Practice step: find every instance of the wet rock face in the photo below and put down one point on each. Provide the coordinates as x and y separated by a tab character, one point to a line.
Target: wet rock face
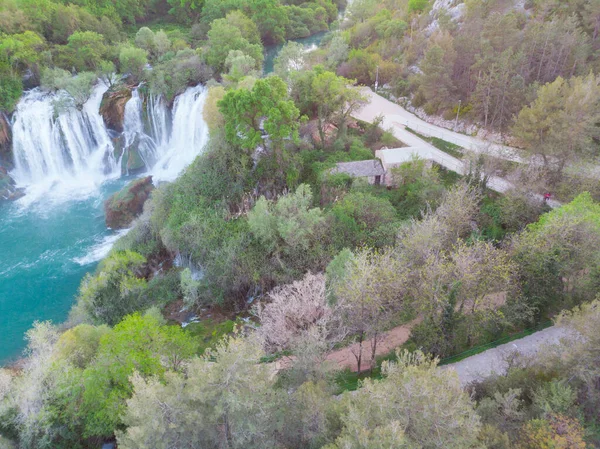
124	206
5	141
132	162
112	108
8	191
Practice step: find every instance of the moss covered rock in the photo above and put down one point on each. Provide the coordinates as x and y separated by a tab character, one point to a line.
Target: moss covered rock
124	206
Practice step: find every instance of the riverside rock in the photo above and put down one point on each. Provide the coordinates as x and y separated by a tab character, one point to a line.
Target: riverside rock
112	108
5	141
124	206
8	191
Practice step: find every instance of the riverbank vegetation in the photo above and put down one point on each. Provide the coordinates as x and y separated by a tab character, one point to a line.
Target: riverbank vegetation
282	260
81	37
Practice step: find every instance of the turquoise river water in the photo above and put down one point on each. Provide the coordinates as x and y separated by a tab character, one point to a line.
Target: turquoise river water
45	250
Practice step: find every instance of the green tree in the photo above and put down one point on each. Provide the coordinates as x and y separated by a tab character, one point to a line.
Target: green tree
239	65
287	225
414	405
133	60
556	255
21	51
139	344
289	59
145	39
114	291
436	85
88	50
336	101
266	106
224	37
226	399
561	124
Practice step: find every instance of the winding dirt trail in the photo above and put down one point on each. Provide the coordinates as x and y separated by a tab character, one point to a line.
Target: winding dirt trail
386	343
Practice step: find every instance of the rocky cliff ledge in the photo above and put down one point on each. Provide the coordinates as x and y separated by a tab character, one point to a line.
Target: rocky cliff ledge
112	108
5	141
124	206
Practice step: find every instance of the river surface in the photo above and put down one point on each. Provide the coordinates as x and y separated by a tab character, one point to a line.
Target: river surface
271	51
67	163
45	250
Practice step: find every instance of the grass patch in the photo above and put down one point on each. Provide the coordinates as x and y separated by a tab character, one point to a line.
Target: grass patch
208	332
440	144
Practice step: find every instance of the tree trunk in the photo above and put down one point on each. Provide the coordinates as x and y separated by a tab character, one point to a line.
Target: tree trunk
373	352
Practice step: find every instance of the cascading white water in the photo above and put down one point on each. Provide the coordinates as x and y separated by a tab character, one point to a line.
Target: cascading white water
188	137
72	149
167	142
73	153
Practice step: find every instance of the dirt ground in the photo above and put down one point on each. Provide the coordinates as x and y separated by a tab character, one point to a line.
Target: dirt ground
345	358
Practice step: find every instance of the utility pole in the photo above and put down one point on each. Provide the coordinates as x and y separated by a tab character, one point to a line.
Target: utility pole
376	78
457	113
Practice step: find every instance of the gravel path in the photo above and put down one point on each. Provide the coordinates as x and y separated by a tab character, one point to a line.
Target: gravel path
491	361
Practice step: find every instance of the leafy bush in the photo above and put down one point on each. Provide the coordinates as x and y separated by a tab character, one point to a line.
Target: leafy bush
115	290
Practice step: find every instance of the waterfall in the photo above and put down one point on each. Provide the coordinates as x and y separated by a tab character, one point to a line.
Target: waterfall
72	148
188	137
73	152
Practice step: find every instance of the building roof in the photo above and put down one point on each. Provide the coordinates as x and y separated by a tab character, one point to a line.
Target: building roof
359	169
397	156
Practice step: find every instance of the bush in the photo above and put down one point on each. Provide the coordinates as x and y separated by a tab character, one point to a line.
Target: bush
133	61
11	88
190	288
115	290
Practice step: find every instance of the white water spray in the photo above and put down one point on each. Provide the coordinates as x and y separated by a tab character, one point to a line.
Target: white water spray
72	150
72	154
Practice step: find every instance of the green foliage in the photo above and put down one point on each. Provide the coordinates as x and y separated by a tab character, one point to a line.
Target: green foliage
173	75
417	5
243	111
224	37
557	252
363	219
189	288
78	88
114	291
133	61
287	225
11	87
208	332
88	50
137	344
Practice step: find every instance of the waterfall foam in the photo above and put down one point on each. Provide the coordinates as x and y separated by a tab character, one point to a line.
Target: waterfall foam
188	137
72	153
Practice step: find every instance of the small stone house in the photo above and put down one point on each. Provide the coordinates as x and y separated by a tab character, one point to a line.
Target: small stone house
372	170
395	157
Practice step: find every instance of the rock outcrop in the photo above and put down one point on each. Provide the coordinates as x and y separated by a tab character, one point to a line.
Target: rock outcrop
5	141
8	191
112	108
124	206
132	162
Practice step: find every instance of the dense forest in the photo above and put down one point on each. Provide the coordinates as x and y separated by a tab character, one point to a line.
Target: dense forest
283	260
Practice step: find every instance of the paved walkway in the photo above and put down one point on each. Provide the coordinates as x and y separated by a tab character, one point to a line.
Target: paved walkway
493	360
396	118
